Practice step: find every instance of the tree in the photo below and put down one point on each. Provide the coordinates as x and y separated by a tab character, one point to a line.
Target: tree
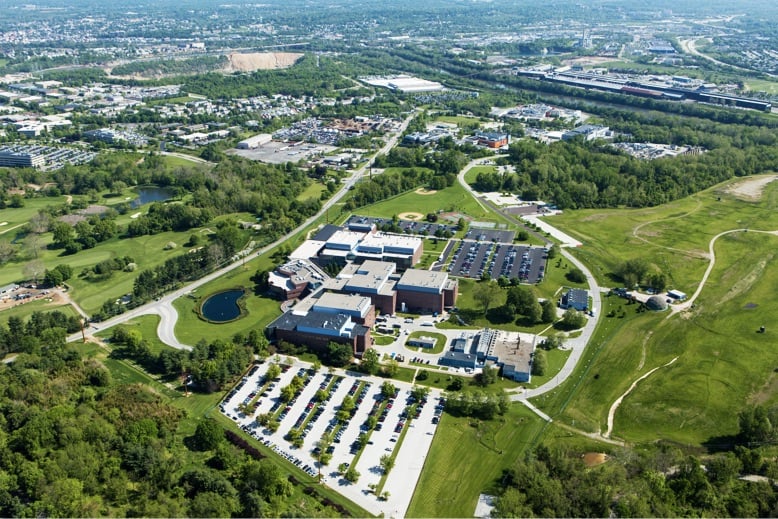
553	251
273	371
62	234
633	271
572	319
370	361
339	354
32	245
33	270
352	475
539	363
392	367
486	293
576	275
487	376
420	392
755	425
386	463
208	434
388	389
7	252
548	311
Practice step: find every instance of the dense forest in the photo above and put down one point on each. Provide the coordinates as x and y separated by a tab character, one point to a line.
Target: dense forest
660	481
73	443
577	174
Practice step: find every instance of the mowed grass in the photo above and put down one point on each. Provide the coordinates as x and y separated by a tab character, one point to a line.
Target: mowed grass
451	199
473	173
14	217
467	458
24	311
723	363
261	310
472	312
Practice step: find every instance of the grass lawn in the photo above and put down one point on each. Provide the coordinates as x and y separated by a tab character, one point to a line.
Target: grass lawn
472	312
467	457
762	85
190	328
384	340
723	364
172	162
459	120
556	359
14	217
433	248
313	191
451	199
673	237
147	326
473	173
42	305
440	342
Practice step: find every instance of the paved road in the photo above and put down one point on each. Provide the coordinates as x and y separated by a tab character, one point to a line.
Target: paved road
577	345
164	305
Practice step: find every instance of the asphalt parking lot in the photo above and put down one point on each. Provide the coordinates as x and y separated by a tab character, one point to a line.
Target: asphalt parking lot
472	259
315	419
477	234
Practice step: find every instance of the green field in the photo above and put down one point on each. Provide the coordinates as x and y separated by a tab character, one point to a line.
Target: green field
459	120
472	313
762	85
473	173
25	310
260	310
452	199
723	363
313	191
467	457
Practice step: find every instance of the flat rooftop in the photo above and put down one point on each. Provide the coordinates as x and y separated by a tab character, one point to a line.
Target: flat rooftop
345	240
348	303
422	280
369	277
308	249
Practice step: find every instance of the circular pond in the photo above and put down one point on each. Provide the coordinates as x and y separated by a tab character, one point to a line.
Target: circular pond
223	306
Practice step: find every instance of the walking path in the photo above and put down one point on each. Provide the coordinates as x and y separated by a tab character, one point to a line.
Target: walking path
617	403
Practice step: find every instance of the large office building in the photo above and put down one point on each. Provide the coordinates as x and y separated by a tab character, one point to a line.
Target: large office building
426	291
316	329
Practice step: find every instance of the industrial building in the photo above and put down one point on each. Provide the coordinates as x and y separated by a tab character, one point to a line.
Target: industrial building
508	350
575	298
255	142
317	329
292	279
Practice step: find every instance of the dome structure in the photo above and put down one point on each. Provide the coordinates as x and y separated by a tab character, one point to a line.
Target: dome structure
656	303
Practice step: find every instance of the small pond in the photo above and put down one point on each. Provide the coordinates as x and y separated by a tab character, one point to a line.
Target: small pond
222	307
151	194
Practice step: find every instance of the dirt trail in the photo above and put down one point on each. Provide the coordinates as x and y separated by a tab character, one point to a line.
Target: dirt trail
617	403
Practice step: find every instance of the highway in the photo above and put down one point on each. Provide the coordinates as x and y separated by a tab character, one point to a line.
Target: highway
164	305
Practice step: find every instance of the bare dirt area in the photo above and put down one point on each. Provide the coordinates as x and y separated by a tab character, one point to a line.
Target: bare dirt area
425	191
592	459
750	189
410	216
261	61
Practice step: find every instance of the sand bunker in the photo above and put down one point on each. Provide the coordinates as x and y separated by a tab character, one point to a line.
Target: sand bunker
750	189
261	61
425	191
592	459
410	216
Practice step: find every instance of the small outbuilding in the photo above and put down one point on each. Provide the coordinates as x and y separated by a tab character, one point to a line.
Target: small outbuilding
676	294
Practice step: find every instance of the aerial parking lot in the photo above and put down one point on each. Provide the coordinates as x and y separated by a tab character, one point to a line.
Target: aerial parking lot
404	428
472	259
